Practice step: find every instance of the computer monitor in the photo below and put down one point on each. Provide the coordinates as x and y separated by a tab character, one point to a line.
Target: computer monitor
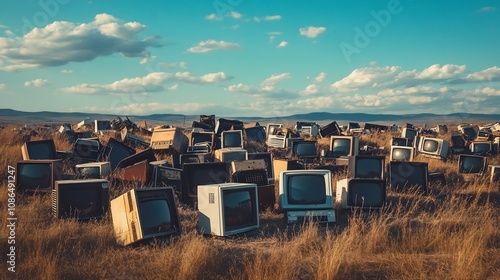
232	139
80	199
37	175
481	148
344	146
86	150
304	149
225	124
366	167
227	209
194	158
404	176
409	133
230	154
364	194
40	149
256	134
195	174
145	213
202	137
268	158
101	125
401	153
469	132
472	164
93	170
115	151
165	176
433	147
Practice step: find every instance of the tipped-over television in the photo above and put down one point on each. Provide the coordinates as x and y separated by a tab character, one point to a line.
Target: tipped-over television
408	176
409	133
268	158
40	149
195	174
306	194
481	148
472	164
366	167
433	147
401	153
232	139
80	199
227	209
364	194
305	149
256	134
115	152
165	176
344	146
93	170
101	125
145	213
230	154
37	175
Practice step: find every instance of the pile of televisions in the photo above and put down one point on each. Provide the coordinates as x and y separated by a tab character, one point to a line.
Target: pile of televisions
214	173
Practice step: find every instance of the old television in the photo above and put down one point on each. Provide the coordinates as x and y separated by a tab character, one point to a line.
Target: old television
195	174
102	126
165	176
226	124
145	213
357	193
469	132
402	153
202	137
194	158
86	150
230	154
40	149
115	152
265	191
80	199
330	129
344	146
305	149
37	175
256	134
93	170
409	133
272	128
433	147
276	141
399	141
268	158
472	164
366	167
306	194
458	144
481	148
404	176
227	209
147	155
232	139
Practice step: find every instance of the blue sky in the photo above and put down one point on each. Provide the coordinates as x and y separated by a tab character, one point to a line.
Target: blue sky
250	58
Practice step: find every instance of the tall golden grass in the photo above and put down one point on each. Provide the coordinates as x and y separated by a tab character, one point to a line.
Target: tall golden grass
454	233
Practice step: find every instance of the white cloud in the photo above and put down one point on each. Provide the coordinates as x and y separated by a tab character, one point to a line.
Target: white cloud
487	9
320	78
373	63
311	31
438	72
2	86
487	75
232	14
174	87
235	15
267	18
147	60
65	42
213	17
420	99
282	44
488	91
366	77
271	81
311	89
36	83
67	71
212	45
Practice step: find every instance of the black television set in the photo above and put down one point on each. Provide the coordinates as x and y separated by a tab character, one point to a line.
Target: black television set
400	141
330	129
225	124
481	148
37	175
232	139
265	191
469	132
143	214
472	164
80	199
344	146
195	174
115	151
364	194
256	134
165	176
40	149
86	150
305	149
202	137
193	158
366	167
268	158
406	175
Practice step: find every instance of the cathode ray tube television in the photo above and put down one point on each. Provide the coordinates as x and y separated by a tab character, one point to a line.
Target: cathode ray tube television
405	176
366	166
402	153
364	194
344	145
37	175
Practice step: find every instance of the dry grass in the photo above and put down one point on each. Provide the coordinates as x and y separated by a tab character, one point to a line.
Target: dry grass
452	234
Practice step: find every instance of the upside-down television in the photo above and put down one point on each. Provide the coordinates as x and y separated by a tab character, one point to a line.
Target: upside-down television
366	167
404	176
195	174
93	170
433	147
144	213
344	145
472	164
306	194
232	139
401	153
40	149
80	199
357	193
37	175
481	148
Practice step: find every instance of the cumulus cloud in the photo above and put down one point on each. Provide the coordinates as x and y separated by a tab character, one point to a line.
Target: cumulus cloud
212	45
267	88
311	89
488	75
153	82
366	77
36	83
267	18
67	71
311	31
320	78
282	44
62	42
271	81
232	14
2	86
487	9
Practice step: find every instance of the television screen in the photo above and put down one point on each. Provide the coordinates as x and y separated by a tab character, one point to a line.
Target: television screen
481	148
470	133
303	149
86	150
471	164
195	174
80	199
399	142
191	158
268	158
430	145
458	141
406	175
306	189
32	175
366	194
239	208
409	133
366	167
102	125
155	216
231	154
272	128
42	149
341	146
116	152
256	133
232	139
202	137
402	153
93	172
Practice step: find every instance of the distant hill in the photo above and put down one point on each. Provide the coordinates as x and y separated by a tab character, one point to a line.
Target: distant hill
13	116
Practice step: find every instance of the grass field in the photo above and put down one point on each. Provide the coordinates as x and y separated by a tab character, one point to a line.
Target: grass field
454	233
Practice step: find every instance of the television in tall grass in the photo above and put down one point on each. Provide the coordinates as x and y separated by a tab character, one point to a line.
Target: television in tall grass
409	133
481	148
272	128
433	147
202	137
344	145
366	167
86	150
80	199
408	176
232	139
195	174
37	175
256	134
100	125
305	149
357	193
268	158
399	141
165	176
115	152
93	170
472	164
145	213
230	154
40	149
306	195
402	153
191	158
227	209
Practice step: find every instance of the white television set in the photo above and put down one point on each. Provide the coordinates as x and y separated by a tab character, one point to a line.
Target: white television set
228	208
232	139
271	128
433	147
306	195
481	148
93	170
276	141
401	153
